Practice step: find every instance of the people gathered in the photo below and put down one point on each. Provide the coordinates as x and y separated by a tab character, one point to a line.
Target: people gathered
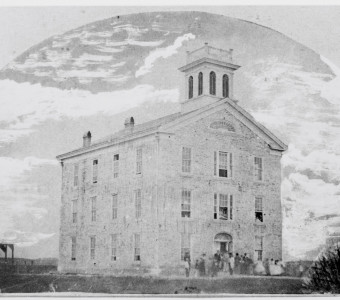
224	263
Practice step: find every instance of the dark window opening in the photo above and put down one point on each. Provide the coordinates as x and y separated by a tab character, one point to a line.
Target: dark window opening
223	173
225	85
200	83
185	214
212	83
191	87
259	216
224	213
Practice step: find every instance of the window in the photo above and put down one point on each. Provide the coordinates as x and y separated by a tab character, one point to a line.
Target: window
212	83
223	164
74	211
95	171
75	175
114	247
258	209
92	247
185	245
137	247
114	206
186	159
225	86
258	168
93	209
73	248
139	161
115	165
138	203
191	87
200	83
223	207
186	203
258	247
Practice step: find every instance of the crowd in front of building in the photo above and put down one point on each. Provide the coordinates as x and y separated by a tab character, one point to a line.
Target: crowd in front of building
221	264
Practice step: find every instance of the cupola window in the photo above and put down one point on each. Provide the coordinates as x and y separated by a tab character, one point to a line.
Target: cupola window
191	87
212	83
200	83
225	86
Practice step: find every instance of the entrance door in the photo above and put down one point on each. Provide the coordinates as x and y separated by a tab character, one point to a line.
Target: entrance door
223	247
223	242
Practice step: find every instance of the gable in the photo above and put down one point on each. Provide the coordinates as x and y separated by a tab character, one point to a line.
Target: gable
225	115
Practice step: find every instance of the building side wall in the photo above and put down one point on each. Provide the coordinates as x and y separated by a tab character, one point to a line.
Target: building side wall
125	225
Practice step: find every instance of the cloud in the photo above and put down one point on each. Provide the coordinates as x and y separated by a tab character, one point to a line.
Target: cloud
11	168
29	105
24	203
304	226
303	109
162	53
318	161
23	239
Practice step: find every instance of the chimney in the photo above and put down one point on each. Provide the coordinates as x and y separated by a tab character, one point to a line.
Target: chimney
231	53
129	123
87	139
206	47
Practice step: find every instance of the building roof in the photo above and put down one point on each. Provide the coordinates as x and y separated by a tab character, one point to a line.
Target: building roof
164	124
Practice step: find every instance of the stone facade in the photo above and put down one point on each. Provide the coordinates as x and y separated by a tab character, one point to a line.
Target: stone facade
138	223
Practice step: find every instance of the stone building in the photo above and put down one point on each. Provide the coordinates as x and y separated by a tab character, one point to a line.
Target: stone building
205	178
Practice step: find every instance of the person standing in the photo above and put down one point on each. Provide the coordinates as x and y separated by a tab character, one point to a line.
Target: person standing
187	267
225	262
237	264
214	267
271	266
217	256
231	264
187	257
197	268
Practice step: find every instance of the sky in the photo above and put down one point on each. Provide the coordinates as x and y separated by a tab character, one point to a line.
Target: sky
317	27
29	106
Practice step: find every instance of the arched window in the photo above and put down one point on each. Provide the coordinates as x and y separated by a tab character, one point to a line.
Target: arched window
191	87
225	86
200	83
212	83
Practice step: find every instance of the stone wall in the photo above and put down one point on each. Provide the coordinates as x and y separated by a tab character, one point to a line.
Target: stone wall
161	182
244	145
126	224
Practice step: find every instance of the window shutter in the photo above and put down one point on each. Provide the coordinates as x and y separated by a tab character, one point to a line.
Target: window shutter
231	164
215	163
215	207
231	206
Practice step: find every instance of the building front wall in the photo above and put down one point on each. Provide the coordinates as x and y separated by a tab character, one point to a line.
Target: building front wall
244	146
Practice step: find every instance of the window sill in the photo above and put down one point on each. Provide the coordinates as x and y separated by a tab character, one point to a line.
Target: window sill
258	223
223	178
189	175
222	221
186	219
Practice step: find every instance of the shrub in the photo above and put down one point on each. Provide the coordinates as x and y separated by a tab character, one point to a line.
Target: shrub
324	274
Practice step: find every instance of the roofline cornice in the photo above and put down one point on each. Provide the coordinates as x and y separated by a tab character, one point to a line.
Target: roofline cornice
106	144
210	61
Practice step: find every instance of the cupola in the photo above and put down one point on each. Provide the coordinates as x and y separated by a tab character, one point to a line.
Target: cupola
209	75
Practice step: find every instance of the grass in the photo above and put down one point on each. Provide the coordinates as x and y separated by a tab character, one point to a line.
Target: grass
16	283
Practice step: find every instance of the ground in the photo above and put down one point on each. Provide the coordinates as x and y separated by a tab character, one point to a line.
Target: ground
16	283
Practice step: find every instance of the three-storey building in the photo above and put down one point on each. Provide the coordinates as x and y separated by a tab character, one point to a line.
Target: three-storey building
204	179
